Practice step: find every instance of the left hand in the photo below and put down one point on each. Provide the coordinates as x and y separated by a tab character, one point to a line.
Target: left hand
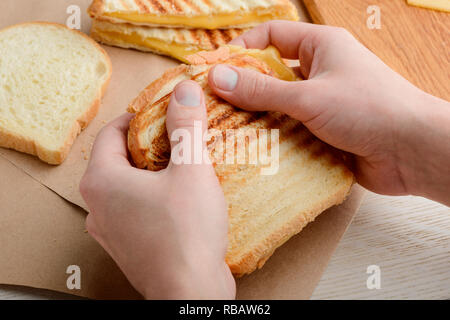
166	230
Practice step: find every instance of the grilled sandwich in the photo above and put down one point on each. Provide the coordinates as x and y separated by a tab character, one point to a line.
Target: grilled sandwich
174	42
264	210
201	14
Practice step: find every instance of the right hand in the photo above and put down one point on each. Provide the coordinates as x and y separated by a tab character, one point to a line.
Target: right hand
351	99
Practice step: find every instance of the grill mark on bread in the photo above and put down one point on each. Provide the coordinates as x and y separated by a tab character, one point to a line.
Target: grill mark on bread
227	36
142	6
175	6
215	122
157	6
194	35
208	3
210	38
274	122
180	36
307	141
192	5
319	151
245	119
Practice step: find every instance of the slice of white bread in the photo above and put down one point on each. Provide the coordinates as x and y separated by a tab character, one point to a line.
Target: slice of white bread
51	82
264	210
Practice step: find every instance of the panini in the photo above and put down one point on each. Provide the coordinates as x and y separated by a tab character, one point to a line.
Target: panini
203	14
174	42
264	210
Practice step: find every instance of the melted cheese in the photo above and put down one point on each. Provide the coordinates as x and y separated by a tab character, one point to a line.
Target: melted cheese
204	22
442	5
272	58
176	50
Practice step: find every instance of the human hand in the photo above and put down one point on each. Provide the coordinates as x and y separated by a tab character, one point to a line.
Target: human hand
166	230
350	100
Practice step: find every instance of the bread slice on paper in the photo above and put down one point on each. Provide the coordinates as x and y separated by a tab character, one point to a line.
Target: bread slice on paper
265	210
51	82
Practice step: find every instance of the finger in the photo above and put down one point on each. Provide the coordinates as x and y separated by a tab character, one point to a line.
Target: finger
186	122
286	36
111	142
254	91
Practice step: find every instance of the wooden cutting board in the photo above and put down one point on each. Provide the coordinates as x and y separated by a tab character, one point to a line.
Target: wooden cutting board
413	41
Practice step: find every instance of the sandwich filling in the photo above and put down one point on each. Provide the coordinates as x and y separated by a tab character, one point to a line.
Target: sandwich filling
173	49
216	21
272	58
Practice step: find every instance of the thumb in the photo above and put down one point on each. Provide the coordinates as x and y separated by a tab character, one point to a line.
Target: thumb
254	91
186	123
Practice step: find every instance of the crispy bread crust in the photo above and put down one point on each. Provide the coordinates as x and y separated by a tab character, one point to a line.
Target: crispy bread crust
147	95
30	146
96	8
256	255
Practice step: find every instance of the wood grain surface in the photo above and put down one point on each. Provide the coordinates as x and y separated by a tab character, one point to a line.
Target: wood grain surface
407	237
413	41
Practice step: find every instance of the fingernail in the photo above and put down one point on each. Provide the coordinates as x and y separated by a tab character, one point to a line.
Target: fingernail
225	78
188	94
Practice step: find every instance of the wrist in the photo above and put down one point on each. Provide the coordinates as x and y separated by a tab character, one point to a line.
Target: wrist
201	282
422	146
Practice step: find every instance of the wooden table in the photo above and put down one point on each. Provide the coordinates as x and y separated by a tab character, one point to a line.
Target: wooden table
407	237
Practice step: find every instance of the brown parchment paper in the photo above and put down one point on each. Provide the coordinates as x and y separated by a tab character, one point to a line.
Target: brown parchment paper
41	234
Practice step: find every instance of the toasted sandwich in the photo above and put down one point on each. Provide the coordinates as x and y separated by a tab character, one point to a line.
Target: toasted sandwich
174	42
200	14
51	81
264	210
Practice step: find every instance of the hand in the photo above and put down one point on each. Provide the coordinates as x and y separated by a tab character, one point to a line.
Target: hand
350	100
166	230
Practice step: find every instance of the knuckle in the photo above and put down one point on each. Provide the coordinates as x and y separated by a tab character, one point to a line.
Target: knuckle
184	121
256	88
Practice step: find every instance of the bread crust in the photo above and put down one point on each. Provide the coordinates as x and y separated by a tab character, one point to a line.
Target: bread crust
30	146
254	256
95	10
